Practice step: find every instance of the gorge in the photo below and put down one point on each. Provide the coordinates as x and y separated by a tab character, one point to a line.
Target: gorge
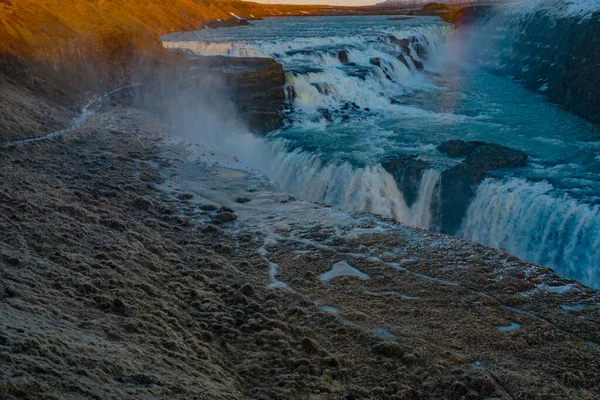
378	202
364	134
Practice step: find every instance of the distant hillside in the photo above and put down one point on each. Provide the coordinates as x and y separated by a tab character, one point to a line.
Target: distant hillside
105	30
108	32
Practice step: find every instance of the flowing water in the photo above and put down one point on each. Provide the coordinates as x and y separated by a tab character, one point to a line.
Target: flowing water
348	115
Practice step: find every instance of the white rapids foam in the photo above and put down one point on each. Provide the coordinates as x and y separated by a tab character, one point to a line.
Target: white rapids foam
525	219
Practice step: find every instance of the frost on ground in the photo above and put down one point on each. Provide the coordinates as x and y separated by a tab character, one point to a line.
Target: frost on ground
132	268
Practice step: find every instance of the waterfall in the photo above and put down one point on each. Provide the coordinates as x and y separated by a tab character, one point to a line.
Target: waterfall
369	188
525	219
379	64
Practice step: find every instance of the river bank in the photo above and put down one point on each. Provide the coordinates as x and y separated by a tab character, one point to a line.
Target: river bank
122	278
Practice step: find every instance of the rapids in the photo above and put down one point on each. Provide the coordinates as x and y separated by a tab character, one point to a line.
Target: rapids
360	95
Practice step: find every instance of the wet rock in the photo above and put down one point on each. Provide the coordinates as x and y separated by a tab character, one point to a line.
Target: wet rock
376	61
239	298
418	64
118	306
419	44
323	88
140	380
223	249
288	200
9	292
10	260
459	388
225	217
458	184
403	60
208	207
407	170
256	87
343	57
331	362
242	200
571	380
558	57
459	148
404	44
225	209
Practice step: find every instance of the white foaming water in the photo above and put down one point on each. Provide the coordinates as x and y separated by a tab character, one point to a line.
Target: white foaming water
348	115
369	189
525	219
306	175
320	79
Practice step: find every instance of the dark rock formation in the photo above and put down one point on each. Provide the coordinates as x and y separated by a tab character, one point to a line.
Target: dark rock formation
404	44
458	183
418	64
407	170
376	61
419	43
402	59
255	86
343	57
323	88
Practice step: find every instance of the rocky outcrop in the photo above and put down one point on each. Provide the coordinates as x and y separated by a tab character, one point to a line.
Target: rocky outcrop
254	86
458	183
407	170
405	45
343	57
257	89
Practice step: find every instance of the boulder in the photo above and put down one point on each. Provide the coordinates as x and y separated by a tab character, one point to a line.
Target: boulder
402	59
323	88
404	44
458	184
343	57
418	64
376	61
419	44
254	86
407	170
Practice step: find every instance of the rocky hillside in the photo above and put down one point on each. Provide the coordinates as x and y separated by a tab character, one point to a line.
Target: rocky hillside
55	59
104	33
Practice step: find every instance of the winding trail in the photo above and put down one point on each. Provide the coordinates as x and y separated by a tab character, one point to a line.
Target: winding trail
79	122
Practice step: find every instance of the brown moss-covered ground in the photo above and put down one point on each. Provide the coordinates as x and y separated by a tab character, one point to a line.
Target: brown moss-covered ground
115	283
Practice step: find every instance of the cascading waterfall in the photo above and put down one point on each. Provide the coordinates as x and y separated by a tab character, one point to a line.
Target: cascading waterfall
525	219
352	188
358	98
373	74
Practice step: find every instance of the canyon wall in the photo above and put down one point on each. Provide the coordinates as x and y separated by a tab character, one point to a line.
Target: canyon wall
560	57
